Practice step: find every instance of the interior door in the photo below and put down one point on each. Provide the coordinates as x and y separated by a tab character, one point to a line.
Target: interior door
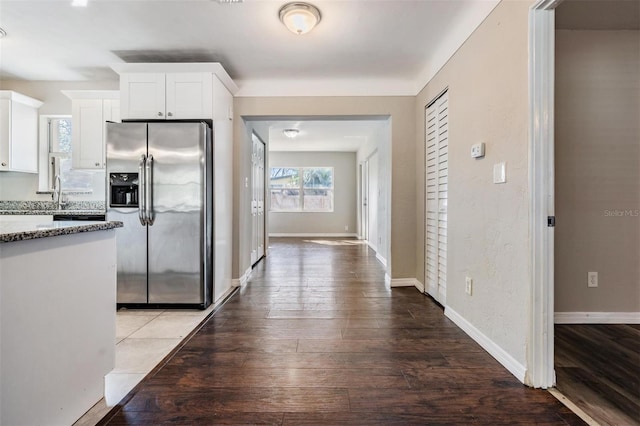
364	194
436	195
257	199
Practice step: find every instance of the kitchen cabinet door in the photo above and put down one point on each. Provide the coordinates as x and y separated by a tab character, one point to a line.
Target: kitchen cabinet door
142	96
18	132
188	95
87	136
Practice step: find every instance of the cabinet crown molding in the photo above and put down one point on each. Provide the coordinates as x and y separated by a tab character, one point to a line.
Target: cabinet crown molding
19	97
91	94
178	67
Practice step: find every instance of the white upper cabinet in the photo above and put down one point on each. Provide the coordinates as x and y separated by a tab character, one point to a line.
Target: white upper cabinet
170	91
142	95
90	110
189	95
174	96
18	132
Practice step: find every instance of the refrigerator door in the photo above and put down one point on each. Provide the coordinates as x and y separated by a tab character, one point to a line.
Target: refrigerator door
126	145
179	160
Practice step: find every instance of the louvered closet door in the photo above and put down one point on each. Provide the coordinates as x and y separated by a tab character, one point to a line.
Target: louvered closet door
437	170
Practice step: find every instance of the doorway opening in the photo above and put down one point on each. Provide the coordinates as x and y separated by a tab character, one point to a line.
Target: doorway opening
323	177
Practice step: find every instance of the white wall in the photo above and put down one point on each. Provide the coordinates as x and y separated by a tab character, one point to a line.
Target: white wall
597	145
23	186
488	224
344	199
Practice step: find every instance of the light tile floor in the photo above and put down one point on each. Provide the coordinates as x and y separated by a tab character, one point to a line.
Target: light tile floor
143	338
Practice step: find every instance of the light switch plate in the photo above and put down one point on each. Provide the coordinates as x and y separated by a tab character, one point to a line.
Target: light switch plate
477	150
500	172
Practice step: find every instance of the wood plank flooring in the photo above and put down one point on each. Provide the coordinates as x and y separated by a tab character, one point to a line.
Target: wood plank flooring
598	369
315	338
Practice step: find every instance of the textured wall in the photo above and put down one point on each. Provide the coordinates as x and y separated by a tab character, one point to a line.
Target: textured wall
597	141
488	237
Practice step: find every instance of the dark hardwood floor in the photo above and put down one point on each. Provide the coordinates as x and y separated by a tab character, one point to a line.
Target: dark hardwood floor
316	338
598	369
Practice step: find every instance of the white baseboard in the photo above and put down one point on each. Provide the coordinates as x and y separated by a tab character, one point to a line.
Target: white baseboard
488	345
419	286
381	259
224	296
387	280
315	235
239	282
403	282
597	317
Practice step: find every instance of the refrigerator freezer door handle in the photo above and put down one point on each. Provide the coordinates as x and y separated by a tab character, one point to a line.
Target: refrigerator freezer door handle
150	214
142	189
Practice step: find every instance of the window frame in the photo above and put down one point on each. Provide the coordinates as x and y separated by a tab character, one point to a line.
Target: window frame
47	166
301	188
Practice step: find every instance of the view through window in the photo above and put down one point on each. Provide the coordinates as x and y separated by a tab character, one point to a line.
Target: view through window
60	158
301	189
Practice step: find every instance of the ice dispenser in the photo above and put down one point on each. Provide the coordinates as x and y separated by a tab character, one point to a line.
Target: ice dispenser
124	189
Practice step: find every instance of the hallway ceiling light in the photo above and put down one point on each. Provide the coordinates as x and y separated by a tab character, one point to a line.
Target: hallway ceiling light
299	18
291	133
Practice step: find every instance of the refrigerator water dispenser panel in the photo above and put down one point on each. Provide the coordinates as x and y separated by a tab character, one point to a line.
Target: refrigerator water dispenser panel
124	189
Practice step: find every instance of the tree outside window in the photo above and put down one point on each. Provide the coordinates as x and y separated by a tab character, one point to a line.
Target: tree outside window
301	189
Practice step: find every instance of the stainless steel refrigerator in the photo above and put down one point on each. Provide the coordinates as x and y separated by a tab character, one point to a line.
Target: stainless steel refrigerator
160	184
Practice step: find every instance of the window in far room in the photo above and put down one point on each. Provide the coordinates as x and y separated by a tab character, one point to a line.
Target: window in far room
301	189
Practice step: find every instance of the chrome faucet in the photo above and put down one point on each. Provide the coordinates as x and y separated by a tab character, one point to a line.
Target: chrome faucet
57	193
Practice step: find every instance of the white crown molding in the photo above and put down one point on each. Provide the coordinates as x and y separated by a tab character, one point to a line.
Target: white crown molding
325	87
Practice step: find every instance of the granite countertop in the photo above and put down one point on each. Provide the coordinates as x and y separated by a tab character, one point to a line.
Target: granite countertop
50	208
52	212
29	230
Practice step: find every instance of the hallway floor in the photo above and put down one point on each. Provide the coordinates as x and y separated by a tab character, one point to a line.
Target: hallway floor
315	337
598	369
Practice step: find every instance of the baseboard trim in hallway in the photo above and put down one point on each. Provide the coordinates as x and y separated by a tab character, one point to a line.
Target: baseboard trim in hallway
597	317
507	361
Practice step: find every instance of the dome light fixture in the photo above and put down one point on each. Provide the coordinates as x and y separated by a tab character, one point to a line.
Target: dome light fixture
291	133
299	18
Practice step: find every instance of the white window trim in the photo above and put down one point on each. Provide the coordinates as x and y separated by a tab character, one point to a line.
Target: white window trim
301	189
43	151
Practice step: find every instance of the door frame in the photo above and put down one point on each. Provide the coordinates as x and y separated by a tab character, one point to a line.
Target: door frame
364	200
540	353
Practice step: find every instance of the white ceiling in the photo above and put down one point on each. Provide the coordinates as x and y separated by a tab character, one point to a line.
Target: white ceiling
322	135
373	47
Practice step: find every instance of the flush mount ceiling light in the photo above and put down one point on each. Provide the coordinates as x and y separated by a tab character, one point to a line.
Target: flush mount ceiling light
291	133
79	3
299	18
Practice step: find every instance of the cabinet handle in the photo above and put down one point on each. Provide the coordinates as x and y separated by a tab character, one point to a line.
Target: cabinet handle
170	114
97	164
159	114
4	164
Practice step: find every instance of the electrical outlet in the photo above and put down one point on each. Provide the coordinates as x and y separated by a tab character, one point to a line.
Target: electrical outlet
468	285
592	279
